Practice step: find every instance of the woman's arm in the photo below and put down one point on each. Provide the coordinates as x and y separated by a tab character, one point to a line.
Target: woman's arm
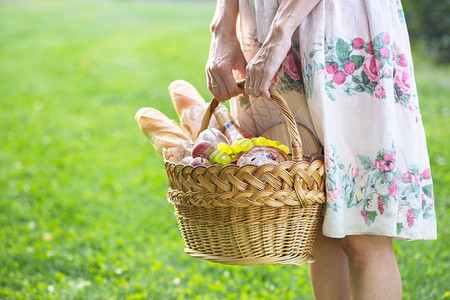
263	66
225	52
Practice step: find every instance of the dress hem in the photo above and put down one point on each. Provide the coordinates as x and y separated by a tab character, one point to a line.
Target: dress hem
426	238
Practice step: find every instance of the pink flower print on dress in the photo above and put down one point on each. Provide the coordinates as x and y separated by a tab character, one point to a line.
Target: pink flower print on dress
388	72
426	174
393	188
380	204
384	52
379	91
407	176
349	68
372	68
355	172
358	44
339	77
403	80
275	78
332	68
402	61
386	38
333	196
374	165
364	214
388	162
410	216
290	68
416	179
370	48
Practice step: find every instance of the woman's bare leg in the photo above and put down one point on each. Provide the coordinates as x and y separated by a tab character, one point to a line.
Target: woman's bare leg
373	267
329	273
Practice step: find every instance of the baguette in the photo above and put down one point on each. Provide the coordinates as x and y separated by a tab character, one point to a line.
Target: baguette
190	107
184	95
159	129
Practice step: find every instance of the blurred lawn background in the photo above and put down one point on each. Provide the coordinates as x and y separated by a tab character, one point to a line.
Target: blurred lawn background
83	209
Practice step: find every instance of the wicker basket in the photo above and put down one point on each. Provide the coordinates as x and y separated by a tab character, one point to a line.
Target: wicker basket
250	215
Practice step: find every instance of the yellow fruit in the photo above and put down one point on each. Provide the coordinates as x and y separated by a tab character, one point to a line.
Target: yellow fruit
272	143
223	158
245	145
224	147
284	148
261	141
213	155
235	147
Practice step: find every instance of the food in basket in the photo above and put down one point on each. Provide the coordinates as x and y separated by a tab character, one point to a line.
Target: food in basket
220	158
190	107
232	131
212	135
160	130
260	155
178	153
200	161
203	149
242	145
211	146
186	160
315	156
231	154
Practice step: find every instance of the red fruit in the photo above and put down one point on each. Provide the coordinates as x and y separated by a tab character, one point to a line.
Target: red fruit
202	149
358	43
349	68
339	77
332	68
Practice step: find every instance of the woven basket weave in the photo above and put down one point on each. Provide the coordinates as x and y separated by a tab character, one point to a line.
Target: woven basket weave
250	215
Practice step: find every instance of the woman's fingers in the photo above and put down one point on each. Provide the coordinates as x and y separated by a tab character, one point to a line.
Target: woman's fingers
213	87
215	83
218	86
219	70
259	79
262	68
221	82
265	85
258	73
239	64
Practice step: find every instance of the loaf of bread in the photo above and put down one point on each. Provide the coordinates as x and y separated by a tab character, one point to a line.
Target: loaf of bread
159	129
190	107
261	155
184	95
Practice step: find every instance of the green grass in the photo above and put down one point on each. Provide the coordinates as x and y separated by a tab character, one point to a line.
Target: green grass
83	209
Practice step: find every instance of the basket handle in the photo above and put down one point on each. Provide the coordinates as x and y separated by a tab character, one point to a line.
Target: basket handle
296	141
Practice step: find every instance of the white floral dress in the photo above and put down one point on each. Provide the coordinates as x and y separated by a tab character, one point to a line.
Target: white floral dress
349	78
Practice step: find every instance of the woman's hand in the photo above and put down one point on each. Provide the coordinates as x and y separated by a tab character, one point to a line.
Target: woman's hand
262	68
225	55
